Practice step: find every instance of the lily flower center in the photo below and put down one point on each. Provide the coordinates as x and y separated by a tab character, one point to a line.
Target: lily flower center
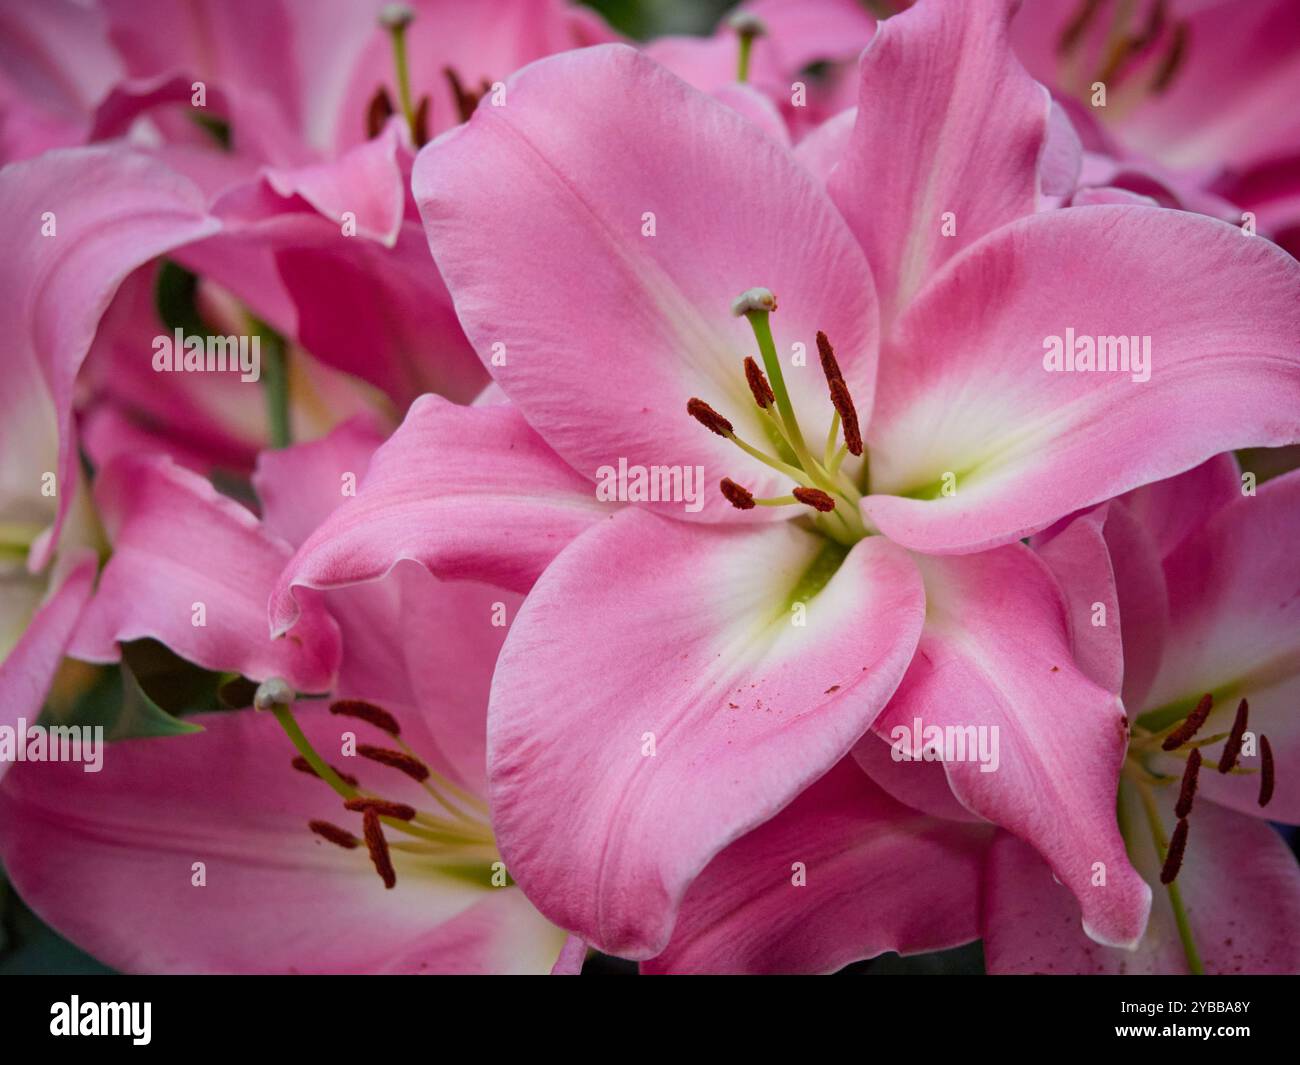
456	839
821	483
1139	56
1142	768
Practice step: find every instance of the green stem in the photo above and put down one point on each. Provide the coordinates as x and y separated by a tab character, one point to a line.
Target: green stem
403	75
742	63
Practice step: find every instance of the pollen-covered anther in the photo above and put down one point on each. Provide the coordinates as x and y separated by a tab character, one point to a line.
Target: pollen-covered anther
758	385
378	848
739	497
848	416
303	766
1188	791
753	299
1174	856
815	498
397	810
339	836
708	417
378	112
1190	726
1232	745
1265	771
830	364
364	711
399	760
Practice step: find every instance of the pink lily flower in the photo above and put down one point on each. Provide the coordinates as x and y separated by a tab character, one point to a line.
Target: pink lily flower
234	820
1198	105
87	219
1209	591
658	696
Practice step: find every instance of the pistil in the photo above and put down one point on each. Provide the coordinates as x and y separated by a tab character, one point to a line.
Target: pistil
748	29
395	18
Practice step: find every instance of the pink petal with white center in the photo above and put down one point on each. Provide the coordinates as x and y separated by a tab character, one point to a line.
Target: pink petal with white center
969	391
1239	884
472	493
949	122
276	899
715	705
192	568
1030	743
841	874
539	215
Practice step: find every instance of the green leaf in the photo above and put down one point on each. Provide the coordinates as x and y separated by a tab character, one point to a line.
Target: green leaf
123	709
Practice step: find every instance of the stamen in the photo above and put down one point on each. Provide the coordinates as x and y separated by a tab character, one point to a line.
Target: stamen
399	811
753	299
1232	749
1189	728
378	848
422	122
466	100
395	18
748	28
365	711
830	364
848	416
1265	771
271	693
758	385
709	418
1188	791
405	763
378	113
340	836
1174	858
1072	33
303	766
738	497
1173	60
815	498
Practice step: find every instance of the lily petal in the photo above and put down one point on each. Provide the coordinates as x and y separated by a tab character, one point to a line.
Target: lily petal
714	705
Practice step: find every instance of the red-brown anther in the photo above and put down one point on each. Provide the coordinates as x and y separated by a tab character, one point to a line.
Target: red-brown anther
708	417
1265	771
378	112
364	711
378	848
1188	792
339	836
848	416
815	498
466	99
1073	32
399	810
421	133
1191	726
303	766
1174	859
762	391
738	497
1173	60
1232	746
830	364
399	760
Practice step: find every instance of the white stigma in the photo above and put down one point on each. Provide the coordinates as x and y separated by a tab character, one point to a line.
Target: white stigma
747	24
754	299
272	692
395	16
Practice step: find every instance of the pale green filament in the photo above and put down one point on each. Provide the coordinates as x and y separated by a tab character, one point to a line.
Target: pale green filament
1194	962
